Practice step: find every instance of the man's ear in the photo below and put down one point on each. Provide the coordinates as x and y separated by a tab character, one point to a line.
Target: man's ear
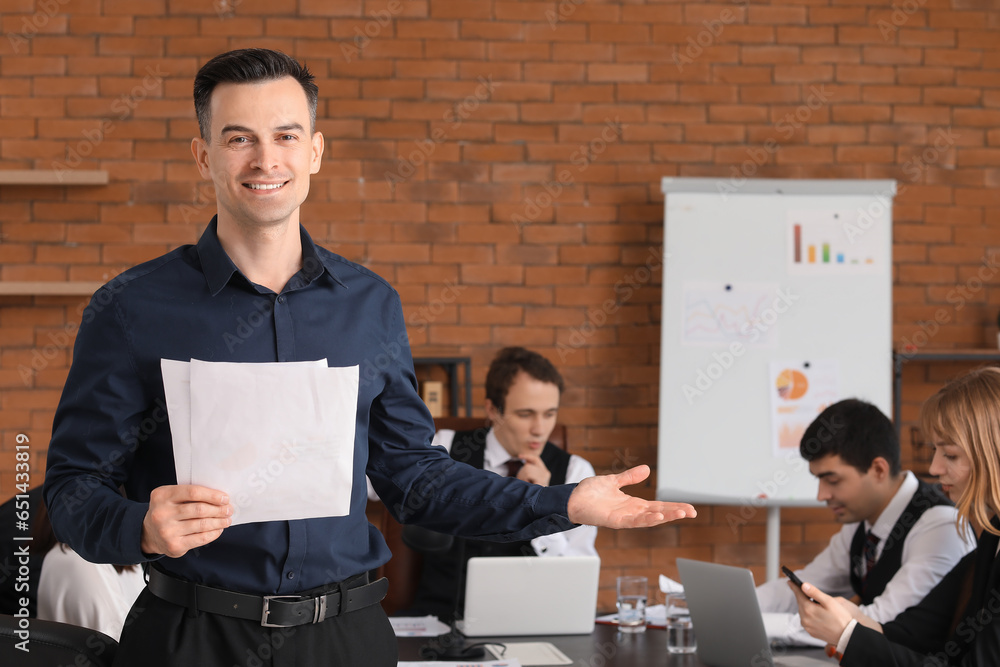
199	148
492	413
880	468
318	145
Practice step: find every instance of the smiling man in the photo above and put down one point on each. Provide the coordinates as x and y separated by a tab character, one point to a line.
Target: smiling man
523	390
899	536
277	592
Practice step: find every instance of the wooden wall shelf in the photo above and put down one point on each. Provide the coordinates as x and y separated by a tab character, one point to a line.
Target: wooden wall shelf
53	177
427	357
48	288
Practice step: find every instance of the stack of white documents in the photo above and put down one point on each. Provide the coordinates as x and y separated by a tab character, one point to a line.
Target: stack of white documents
277	437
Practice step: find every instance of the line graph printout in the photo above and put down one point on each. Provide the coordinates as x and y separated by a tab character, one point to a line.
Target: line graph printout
719	314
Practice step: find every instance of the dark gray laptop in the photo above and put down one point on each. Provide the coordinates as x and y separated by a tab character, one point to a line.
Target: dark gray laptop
727	621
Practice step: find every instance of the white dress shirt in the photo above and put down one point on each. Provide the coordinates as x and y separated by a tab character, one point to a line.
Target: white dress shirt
91	595
577	541
931	549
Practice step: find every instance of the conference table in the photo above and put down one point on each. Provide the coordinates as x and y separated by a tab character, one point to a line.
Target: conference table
604	647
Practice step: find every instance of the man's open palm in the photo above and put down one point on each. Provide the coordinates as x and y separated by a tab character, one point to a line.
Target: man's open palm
599	501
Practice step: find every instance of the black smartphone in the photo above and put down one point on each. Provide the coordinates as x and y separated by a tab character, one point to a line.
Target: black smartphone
795	580
791	575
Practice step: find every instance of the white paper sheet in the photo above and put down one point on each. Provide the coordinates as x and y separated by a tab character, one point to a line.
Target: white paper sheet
800	390
417	626
531	653
277	437
177	387
656	617
668	585
787	630
465	663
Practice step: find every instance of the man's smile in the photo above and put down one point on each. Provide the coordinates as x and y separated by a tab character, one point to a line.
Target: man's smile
265	186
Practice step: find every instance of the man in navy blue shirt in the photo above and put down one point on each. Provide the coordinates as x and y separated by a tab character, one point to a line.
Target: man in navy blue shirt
257	289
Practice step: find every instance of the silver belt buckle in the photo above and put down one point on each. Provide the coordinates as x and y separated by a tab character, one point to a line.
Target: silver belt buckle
266	610
319	610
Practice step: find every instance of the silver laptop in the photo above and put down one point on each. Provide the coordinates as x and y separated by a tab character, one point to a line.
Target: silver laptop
527	595
727	621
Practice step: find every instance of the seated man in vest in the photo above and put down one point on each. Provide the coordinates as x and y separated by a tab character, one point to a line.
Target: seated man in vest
899	536
522	401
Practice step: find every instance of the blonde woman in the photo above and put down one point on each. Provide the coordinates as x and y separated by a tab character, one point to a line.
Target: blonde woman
958	622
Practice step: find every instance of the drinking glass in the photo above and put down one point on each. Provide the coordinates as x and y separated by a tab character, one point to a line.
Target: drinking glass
632	592
680	631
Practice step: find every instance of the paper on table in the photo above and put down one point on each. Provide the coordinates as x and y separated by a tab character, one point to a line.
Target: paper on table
532	653
787	629
656	617
466	663
277	437
417	626
668	585
656	614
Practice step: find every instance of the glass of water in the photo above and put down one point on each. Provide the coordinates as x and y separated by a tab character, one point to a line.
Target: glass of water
680	631
632	593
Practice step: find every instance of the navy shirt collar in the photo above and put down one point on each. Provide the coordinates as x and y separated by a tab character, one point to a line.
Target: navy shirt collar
219	269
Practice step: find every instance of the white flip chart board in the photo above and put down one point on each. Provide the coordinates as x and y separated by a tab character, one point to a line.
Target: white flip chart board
774	291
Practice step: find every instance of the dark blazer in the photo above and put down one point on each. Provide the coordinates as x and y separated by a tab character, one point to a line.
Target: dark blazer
931	633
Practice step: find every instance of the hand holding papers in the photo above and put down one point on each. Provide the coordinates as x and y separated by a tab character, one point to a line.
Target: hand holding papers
278	438
183	517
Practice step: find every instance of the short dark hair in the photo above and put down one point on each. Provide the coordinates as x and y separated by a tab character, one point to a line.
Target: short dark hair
249	66
508	363
854	430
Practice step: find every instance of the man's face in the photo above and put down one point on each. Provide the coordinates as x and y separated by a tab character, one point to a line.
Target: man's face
260	152
850	495
529	415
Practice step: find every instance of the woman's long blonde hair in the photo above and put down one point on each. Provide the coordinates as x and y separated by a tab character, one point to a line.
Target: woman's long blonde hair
966	413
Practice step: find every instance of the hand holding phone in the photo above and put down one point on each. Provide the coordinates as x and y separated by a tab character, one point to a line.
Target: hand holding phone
794	579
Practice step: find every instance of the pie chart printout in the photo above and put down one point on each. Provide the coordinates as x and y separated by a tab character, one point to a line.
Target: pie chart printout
792	384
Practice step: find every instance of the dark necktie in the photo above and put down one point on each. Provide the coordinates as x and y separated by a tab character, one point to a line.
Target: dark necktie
513	466
871	545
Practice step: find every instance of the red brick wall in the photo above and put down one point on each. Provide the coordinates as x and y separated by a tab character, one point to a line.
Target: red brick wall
495	222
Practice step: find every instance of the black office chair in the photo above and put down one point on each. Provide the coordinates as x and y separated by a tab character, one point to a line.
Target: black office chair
52	643
10	563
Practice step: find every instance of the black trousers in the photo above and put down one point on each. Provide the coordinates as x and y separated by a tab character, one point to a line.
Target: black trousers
158	633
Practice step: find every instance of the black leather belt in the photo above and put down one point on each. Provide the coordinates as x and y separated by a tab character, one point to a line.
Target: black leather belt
272	611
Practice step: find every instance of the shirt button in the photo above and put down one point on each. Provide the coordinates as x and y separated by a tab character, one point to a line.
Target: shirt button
290	575
281	299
